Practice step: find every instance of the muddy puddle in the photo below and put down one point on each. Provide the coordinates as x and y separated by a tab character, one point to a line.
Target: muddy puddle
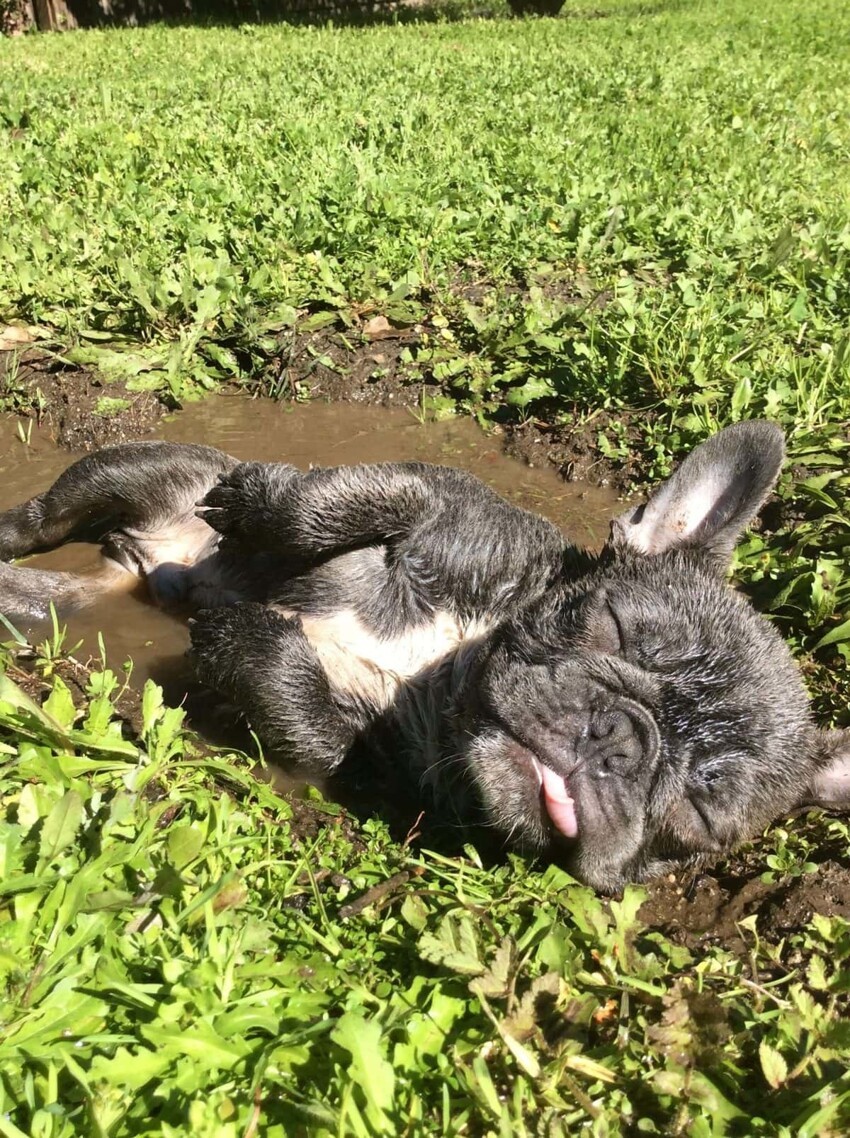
309	434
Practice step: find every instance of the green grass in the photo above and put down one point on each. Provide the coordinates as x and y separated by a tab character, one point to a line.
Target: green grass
177	959
191	189
654	210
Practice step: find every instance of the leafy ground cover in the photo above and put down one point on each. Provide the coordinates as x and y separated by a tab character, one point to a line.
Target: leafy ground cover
641	208
184	952
633	219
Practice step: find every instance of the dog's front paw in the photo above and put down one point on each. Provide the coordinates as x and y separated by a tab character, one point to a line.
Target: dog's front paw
228	506
243	502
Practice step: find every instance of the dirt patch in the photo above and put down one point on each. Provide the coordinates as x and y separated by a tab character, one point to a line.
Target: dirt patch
573	288
75	676
339	367
570	287
826	892
703	910
706	909
81	412
573	448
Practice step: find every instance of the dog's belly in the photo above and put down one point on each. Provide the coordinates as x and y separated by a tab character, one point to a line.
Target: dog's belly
374	668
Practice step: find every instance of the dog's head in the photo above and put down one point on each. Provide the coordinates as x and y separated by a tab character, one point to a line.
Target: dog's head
642	714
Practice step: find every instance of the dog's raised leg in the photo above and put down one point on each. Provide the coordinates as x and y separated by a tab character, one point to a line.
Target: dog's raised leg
451	540
264	663
138	500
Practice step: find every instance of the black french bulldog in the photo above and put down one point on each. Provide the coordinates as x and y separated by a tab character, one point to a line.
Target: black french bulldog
627	710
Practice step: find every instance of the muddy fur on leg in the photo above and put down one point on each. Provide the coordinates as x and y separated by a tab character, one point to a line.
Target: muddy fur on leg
263	662
139	501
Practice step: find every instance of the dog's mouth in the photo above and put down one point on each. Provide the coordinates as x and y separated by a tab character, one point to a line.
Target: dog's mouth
556	798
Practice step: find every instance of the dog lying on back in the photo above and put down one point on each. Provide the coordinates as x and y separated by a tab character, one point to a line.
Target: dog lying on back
627	712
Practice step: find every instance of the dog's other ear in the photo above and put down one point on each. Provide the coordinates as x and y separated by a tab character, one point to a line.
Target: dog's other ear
711	498
829	786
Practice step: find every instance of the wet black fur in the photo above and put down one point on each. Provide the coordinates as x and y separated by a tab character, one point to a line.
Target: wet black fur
673	709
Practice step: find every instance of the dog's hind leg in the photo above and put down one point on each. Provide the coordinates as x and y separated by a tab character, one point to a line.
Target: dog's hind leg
137	487
138	500
27	594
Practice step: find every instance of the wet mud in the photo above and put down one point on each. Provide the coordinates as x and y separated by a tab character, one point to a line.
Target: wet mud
697	910
70	405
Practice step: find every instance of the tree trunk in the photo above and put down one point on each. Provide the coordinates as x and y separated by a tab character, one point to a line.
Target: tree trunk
53	15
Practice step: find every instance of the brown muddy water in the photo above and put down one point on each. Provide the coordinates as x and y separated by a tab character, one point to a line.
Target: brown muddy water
310	434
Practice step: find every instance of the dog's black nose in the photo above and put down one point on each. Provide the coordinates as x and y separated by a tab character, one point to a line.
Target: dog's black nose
615	744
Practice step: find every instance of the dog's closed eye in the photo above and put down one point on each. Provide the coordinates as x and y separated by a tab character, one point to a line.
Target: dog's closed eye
603	628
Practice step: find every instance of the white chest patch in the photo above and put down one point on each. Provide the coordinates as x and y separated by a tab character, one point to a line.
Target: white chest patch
373	668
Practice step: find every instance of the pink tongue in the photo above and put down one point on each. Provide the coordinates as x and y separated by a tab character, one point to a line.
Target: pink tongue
559	806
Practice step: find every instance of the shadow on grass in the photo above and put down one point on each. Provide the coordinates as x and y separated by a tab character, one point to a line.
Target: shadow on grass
340	13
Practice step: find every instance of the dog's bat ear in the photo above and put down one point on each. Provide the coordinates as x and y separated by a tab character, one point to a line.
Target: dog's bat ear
711	498
829	786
